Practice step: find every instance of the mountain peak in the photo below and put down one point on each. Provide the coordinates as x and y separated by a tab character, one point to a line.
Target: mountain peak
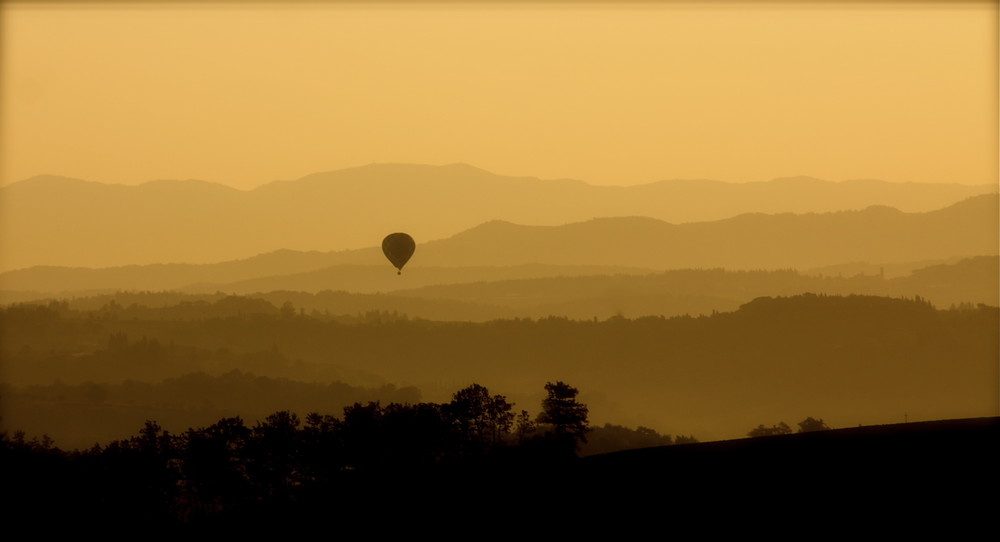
49	180
798	179
185	185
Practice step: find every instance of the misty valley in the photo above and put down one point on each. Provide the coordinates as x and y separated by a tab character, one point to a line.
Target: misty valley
295	379
89	376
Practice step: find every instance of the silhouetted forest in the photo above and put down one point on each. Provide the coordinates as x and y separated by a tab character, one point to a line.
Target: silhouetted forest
462	464
231	471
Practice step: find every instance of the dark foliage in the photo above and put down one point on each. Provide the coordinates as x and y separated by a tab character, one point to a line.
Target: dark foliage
612	438
564	416
761	431
812	424
283	466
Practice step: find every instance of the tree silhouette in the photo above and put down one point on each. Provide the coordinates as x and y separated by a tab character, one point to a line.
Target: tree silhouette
566	416
277	449
761	431
811	424
214	465
480	416
524	426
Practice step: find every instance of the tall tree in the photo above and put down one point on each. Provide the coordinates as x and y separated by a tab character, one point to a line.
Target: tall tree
479	415
566	416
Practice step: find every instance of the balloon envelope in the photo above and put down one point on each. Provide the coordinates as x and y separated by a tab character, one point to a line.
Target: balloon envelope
398	247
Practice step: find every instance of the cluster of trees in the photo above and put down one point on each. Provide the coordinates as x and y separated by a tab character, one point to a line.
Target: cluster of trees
78	415
805	426
230	467
613	438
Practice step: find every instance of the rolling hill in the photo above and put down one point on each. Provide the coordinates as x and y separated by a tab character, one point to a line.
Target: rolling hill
58	221
631	245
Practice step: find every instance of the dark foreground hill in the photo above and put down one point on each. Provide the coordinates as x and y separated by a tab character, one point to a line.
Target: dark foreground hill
918	453
893	479
898	477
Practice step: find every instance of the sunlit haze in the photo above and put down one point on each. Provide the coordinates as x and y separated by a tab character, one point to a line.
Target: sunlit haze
245	94
332	265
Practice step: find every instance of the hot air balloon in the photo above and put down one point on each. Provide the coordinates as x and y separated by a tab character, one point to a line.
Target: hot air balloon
398	247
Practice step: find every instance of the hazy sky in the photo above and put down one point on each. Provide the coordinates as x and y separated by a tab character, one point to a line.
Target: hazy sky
247	93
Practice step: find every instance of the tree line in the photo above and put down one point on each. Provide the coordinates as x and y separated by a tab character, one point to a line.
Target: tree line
233	470
805	426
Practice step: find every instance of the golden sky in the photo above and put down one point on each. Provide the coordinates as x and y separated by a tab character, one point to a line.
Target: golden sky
247	93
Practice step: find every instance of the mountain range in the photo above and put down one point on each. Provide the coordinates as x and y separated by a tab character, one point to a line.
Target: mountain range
628	245
59	221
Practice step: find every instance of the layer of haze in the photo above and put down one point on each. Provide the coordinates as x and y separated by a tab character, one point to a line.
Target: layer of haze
244	94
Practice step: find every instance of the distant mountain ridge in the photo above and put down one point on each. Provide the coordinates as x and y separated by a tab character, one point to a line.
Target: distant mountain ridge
632	245
749	241
49	220
963	284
